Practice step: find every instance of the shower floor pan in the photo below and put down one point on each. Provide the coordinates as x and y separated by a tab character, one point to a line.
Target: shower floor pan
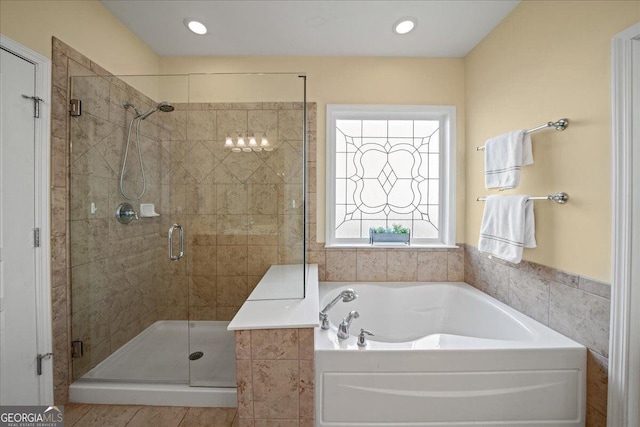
153	368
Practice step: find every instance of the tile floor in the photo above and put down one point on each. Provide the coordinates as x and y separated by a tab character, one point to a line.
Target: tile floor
86	415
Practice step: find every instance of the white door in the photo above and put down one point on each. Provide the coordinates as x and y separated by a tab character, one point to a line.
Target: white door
634	327
19	383
623	404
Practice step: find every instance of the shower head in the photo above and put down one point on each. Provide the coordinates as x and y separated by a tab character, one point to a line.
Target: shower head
164	106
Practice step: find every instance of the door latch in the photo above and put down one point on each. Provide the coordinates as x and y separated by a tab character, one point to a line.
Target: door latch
36	104
40	357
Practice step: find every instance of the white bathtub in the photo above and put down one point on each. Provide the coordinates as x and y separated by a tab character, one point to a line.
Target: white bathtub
153	368
443	354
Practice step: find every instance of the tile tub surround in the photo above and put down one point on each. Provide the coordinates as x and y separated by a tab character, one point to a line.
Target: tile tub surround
572	305
276	383
575	306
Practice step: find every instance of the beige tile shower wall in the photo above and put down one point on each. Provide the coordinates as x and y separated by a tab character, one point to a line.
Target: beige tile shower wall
113	265
237	208
575	306
62	55
113	270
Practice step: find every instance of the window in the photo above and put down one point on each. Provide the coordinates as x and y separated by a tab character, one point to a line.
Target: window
387	165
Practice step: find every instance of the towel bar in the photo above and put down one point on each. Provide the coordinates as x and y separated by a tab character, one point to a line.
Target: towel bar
560	198
559	125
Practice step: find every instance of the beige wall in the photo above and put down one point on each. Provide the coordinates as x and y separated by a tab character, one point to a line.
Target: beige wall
87	26
545	61
345	80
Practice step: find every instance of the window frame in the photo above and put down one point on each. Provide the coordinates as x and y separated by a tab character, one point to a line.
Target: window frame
446	115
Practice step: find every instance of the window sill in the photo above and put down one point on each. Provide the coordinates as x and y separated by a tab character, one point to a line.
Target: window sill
390	246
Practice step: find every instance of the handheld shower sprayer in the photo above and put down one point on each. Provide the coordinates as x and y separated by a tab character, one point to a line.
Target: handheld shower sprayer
163	106
346	295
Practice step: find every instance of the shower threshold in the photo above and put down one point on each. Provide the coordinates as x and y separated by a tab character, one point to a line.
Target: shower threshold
154	369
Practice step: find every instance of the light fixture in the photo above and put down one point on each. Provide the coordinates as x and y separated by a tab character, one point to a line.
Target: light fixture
252	145
264	143
404	25
194	26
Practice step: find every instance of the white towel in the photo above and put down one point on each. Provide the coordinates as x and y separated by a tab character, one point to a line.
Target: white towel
507	226
504	157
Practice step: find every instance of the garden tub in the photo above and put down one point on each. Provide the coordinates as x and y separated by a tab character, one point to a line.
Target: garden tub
443	354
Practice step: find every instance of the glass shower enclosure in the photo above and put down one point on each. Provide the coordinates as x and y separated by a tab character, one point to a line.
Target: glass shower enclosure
184	190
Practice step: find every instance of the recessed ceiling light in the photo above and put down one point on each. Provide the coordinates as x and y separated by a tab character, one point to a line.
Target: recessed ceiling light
404	25
195	26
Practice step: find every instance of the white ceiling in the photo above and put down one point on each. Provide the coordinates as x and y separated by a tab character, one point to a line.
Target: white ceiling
449	28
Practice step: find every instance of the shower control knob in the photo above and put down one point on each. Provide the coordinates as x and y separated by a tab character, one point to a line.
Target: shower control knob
125	213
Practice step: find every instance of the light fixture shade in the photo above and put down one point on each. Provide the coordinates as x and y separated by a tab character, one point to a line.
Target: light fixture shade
252	141
228	142
240	142
264	142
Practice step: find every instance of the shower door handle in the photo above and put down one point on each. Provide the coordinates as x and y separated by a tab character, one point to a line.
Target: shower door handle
173	228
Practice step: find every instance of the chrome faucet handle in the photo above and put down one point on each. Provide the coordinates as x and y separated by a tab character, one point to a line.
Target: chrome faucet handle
324	319
125	213
362	339
343	329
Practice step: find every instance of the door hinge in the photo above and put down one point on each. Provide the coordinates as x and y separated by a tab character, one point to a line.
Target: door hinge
77	349
75	107
36	104
36	237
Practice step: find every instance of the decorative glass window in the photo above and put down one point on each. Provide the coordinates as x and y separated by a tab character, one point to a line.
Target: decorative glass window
390	166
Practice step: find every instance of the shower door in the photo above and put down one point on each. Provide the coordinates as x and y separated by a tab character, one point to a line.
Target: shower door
128	301
165	152
244	203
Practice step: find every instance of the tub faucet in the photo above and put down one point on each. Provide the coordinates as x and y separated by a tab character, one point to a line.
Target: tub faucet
346	296
362	338
343	329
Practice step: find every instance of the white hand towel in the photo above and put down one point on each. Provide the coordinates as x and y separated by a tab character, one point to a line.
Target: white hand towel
508	226
504	157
